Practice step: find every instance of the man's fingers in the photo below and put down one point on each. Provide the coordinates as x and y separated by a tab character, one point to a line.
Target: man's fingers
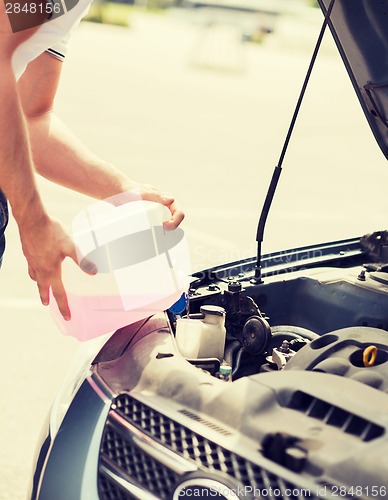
71	252
167	199
32	273
151	193
60	296
177	217
44	292
88	266
45	246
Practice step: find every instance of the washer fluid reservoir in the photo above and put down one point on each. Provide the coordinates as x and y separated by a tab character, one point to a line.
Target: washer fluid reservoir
202	335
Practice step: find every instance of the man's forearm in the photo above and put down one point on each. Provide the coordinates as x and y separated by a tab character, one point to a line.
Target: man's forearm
16	171
60	157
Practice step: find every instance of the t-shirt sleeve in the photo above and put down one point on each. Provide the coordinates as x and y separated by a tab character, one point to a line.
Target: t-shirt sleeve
59	50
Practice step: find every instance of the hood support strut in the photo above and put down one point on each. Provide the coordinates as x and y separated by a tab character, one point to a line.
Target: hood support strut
257	279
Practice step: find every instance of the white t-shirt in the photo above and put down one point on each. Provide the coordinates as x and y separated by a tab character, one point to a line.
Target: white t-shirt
52	36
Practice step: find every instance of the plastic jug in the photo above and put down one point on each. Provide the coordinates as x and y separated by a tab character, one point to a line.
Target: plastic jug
141	268
202	336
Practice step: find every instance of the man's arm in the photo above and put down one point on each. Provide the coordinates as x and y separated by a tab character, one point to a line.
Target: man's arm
60	157
44	242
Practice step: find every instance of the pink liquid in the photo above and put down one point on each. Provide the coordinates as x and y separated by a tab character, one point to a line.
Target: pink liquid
95	316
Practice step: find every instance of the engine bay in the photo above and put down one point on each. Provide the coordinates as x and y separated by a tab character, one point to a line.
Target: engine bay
287	376
327	318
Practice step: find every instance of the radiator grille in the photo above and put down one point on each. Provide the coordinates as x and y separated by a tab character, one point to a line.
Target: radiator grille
206	454
110	490
135	464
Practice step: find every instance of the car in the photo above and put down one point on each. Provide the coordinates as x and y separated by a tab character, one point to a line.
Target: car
268	379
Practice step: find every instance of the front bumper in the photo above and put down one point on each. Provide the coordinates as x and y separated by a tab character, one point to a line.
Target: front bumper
67	466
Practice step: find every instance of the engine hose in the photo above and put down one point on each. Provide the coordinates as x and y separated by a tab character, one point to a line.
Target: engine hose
238	361
286	332
230	350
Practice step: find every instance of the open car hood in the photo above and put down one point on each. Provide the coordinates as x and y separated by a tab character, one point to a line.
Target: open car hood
360	30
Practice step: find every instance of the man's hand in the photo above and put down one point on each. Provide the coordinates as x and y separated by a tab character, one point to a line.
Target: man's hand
45	245
151	193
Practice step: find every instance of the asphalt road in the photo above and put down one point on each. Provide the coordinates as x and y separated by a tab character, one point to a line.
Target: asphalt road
194	112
